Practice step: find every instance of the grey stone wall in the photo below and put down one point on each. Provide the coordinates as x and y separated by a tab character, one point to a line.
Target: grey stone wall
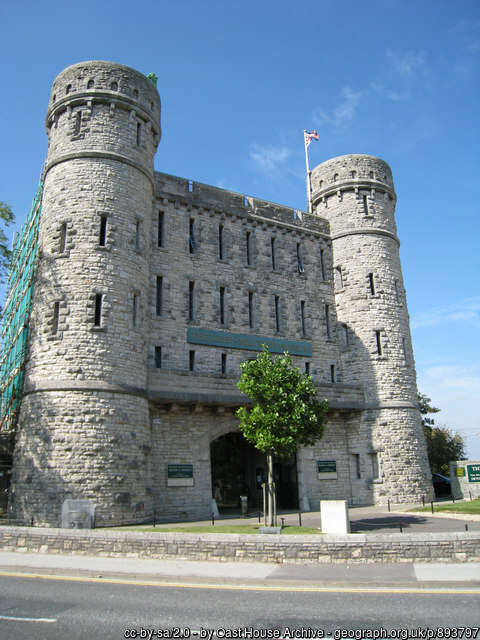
401	547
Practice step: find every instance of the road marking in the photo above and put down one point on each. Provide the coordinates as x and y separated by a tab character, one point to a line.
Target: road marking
28	619
249	587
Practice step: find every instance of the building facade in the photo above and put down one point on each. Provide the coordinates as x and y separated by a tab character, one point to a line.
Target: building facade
150	291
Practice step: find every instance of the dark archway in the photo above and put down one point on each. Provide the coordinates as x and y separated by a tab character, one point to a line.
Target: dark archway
240	469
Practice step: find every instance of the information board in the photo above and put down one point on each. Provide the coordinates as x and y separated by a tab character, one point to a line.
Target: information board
327	469
180	475
473	472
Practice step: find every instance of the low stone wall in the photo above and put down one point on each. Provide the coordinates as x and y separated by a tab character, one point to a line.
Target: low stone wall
399	547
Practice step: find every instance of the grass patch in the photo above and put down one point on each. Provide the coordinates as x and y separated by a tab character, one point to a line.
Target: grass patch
457	507
218	528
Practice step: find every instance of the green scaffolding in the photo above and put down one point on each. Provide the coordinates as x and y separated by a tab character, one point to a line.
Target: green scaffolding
16	314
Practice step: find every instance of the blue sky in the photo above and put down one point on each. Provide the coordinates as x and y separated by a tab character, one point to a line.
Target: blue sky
240	80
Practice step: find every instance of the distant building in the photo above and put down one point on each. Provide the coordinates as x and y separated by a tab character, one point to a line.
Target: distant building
149	291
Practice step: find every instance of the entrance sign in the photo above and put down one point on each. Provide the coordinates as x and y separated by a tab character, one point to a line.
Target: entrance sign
460	472
327	469
247	341
180	475
473	471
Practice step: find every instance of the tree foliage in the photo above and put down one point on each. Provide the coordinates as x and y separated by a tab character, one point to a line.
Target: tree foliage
286	412
443	444
6	219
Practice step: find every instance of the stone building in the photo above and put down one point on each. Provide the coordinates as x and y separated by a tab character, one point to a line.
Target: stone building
150	290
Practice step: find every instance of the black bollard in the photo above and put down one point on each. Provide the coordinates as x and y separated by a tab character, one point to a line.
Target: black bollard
466	527
423	500
154	523
401	530
388	504
431	506
213	519
299	518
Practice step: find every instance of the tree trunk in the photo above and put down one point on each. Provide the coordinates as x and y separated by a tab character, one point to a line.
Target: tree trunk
270	498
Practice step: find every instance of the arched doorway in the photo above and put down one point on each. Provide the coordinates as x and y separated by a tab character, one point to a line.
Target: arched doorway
240	469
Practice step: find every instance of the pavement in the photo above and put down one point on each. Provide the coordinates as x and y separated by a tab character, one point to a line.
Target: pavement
243	575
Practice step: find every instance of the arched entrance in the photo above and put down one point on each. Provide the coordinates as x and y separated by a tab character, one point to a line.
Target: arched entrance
240	469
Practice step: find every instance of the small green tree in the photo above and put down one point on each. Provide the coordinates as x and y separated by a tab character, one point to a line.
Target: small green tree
443	444
285	411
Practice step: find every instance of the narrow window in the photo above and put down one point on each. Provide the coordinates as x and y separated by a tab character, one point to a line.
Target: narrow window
249	248
160	229
90	84
301	268
192	240
56	314
159	297
397	293
322	263
224	363
190	186
139	133
345	335
272	249
114	86
63	237
379	342
375	470
250	308
365	204
371	281
404	349
158	357
102	238
327	319
191	300
138	235
191	360
356	458
68	89
220	241
78	123
222	305
277	314
98	310
135	309
307	368
302	315
332	373
338	278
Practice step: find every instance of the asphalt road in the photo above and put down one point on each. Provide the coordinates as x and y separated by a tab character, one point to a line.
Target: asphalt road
49	608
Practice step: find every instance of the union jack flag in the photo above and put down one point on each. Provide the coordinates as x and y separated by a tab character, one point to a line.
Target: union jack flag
309	136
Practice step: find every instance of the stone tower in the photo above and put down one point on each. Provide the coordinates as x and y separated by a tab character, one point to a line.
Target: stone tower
84	425
355	193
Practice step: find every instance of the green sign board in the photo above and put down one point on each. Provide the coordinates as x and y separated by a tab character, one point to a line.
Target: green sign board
473	472
327	466
247	341
180	470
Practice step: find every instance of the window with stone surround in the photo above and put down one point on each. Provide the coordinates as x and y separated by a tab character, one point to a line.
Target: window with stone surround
191	300
371	282
77	123
224	363
139	133
378	338
220	242
135	309
356	465
307	368
248	240
332	373
138	235
277	313
222	305
397	291
301	268
272	252
250	309
63	237
158	357
159	296
338	276
55	318
160	232
191	360
193	246
346	336
97	319
302	315
327	320
322	264
102	236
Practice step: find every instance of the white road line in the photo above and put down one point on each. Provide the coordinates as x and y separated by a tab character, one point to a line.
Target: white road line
28	619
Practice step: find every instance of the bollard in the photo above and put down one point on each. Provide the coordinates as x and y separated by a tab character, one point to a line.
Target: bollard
431	506
466	527
299	518
388	504
213	519
401	530
154	522
283	522
32	522
423	500
453	498
470	494
259	517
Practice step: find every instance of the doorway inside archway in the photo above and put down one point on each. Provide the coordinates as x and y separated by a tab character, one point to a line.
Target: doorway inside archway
238	469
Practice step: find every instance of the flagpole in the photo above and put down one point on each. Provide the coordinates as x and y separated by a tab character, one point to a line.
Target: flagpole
309	186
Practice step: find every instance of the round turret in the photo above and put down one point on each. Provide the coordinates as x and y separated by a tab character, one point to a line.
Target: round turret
90	321
355	193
